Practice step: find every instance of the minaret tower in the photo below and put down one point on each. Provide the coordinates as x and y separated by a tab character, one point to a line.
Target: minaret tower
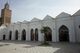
6	14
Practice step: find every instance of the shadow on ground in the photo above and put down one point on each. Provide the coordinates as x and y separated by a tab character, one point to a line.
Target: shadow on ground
1	45
28	44
66	47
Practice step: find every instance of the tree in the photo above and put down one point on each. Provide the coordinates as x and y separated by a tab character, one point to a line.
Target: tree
45	30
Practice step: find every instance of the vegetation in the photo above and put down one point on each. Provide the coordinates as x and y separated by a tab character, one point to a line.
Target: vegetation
45	30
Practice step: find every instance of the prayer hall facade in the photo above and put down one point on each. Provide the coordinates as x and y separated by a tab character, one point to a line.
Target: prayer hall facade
63	28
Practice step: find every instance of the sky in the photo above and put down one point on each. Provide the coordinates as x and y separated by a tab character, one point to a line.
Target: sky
29	9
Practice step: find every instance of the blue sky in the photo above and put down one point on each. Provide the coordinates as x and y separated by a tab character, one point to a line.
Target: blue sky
28	9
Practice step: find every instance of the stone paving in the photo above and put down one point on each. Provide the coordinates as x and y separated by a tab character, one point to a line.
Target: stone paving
32	47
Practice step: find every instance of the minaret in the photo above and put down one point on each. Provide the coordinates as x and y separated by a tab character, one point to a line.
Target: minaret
6	14
6	6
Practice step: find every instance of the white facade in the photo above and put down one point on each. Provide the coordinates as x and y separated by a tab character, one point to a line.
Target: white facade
72	22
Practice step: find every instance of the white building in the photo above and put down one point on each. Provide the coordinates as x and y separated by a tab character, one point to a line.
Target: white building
64	27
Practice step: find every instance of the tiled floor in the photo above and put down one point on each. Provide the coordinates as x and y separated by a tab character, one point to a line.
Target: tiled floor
32	47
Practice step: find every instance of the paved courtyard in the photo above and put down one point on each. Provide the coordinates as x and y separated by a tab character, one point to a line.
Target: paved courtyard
32	47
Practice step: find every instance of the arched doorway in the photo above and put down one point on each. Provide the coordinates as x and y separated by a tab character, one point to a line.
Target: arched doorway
10	35
23	34
32	35
4	37
16	35
36	34
49	34
63	33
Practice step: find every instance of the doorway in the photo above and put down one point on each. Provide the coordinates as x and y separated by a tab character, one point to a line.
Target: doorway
63	34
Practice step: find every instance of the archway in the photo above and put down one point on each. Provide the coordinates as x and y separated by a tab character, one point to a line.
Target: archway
32	35
10	35
4	37
49	34
16	35
23	34
36	34
63	33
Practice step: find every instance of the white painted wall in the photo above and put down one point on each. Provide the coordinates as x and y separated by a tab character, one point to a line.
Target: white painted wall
77	29
72	23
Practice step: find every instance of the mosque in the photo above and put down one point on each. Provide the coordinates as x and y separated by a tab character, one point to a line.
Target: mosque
64	27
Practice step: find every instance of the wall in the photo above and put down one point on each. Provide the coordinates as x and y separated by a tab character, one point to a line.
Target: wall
68	22
77	27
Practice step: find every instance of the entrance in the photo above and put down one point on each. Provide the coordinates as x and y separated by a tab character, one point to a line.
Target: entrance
10	34
24	35
32	35
49	35
16	35
3	37
63	33
36	34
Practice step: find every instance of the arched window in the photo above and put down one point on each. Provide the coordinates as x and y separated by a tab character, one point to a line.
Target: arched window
23	34
16	35
36	34
63	33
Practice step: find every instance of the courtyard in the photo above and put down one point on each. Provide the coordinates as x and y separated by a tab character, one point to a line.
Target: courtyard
32	47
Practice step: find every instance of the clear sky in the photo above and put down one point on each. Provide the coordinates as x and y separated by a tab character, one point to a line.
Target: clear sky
28	9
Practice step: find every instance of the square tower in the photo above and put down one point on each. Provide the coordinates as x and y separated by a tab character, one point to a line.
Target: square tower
6	14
